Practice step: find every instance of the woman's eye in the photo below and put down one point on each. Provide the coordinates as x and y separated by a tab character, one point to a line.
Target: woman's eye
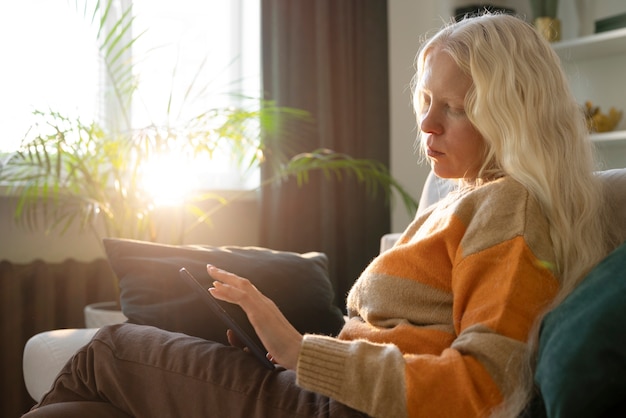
457	111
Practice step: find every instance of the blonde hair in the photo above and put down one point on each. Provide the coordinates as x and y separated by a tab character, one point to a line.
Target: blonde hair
535	132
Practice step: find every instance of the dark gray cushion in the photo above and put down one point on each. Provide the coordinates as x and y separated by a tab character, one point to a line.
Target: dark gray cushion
614	182
152	292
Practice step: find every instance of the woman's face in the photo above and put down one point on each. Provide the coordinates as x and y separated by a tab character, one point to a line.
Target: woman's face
454	147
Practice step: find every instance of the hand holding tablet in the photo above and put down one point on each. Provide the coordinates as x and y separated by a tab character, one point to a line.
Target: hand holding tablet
226	318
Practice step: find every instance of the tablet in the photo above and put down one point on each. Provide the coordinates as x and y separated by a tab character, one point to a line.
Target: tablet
225	317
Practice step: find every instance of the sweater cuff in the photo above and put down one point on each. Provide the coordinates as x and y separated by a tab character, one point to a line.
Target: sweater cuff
321	365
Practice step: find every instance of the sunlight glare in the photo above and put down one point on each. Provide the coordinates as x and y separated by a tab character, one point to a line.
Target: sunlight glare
169	179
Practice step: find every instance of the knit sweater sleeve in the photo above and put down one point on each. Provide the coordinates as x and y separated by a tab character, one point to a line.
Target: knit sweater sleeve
327	365
439	323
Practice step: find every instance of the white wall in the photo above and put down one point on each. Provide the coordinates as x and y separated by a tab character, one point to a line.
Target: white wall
408	21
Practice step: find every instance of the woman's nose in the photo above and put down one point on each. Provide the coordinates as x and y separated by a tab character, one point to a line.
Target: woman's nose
429	122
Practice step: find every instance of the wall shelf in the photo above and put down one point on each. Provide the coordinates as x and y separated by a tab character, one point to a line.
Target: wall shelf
598	45
609	136
585	50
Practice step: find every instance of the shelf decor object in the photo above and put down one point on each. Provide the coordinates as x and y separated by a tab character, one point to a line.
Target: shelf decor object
611	23
601	122
545	20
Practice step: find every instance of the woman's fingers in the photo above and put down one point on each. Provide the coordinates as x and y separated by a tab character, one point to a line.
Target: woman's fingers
278	336
234	340
228	277
234	289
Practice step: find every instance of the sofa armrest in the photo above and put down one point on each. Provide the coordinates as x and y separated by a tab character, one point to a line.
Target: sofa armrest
388	240
46	353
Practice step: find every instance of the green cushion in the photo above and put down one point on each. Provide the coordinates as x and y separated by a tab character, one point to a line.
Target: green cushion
581	370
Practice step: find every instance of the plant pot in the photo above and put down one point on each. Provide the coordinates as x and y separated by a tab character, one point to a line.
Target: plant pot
103	313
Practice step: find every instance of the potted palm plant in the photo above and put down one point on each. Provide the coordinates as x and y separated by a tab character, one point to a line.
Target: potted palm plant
71	172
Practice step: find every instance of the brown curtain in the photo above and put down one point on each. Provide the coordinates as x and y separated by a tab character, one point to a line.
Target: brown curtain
38	297
328	57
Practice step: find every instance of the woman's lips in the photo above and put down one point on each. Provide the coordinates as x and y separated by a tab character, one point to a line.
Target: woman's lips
433	153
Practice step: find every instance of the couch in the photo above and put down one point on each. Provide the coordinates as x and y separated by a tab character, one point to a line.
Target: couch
582	356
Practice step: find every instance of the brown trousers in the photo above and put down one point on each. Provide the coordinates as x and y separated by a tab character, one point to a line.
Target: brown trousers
139	371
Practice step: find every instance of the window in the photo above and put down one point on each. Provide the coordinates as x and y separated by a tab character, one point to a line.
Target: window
49	62
55	65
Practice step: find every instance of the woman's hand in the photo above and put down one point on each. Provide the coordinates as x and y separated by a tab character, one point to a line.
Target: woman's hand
278	336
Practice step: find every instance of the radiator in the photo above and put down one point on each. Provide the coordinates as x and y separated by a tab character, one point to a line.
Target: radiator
37	297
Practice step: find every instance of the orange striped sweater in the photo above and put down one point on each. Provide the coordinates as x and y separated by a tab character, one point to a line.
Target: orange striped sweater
438	323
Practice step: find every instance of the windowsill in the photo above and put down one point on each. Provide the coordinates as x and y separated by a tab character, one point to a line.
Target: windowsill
236	223
228	194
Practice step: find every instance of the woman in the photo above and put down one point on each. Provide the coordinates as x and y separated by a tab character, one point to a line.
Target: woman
439	325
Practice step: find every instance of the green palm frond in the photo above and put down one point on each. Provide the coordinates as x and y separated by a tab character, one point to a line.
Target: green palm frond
114	39
334	166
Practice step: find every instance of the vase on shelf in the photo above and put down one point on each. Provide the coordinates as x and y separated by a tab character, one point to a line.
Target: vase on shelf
546	22
549	28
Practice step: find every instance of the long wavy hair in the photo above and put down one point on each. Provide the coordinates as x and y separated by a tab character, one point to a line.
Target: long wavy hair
535	132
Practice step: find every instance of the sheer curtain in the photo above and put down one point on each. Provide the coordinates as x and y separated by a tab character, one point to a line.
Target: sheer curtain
330	58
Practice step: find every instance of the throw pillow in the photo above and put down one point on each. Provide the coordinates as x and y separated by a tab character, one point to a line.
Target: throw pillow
581	369
153	293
